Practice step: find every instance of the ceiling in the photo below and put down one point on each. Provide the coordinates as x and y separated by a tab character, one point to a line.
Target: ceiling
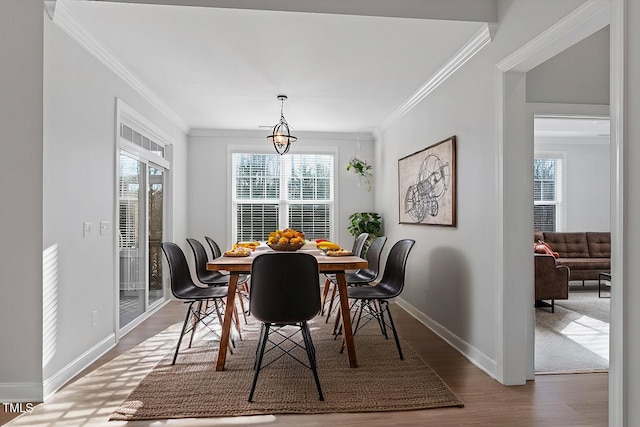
222	68
571	127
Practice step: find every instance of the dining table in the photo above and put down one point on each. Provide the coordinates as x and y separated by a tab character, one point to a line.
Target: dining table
326	264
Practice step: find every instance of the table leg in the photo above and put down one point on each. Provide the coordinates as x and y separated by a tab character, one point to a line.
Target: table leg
347	331
228	318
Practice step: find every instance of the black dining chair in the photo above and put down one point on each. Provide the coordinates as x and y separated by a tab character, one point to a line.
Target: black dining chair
213	278
374	300
361	277
243	279
215	249
358	245
183	288
285	291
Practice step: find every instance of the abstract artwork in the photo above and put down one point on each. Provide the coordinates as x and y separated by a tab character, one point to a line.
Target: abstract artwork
427	185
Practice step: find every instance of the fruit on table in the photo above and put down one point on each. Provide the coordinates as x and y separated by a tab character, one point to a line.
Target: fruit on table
288	236
238	251
249	245
325	246
338	252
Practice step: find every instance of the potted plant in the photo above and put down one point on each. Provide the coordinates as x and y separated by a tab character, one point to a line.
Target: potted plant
366	222
362	169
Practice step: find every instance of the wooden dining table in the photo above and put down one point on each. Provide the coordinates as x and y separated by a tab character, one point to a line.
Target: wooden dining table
326	264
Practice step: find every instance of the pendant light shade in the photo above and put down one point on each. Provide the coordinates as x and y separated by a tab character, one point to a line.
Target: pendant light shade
281	134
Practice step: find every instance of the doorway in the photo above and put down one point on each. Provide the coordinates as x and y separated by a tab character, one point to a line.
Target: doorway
571	194
143	168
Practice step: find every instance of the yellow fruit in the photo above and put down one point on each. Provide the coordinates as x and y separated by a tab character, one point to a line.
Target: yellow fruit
328	246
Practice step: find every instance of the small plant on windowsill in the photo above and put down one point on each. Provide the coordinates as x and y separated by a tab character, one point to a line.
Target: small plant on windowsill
362	169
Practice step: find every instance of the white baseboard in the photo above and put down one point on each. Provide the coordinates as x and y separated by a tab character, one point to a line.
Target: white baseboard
20	392
474	355
64	375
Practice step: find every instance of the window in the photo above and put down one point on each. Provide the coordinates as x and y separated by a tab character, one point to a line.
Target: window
272	192
547	192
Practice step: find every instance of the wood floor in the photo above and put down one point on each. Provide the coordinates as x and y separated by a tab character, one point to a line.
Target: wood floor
561	400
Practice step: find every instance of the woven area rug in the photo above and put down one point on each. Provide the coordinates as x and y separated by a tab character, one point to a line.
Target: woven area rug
576	337
192	388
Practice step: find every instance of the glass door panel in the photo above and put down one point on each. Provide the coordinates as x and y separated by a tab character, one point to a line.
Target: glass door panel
156	221
132	239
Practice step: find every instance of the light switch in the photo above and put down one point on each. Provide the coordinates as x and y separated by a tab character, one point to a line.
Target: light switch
105	228
87	228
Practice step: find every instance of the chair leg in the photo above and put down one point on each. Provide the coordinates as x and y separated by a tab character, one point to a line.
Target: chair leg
184	328
383	328
262	344
237	318
325	291
308	343
333	298
393	328
195	321
240	298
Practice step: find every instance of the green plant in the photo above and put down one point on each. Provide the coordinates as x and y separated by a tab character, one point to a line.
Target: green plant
366	222
362	169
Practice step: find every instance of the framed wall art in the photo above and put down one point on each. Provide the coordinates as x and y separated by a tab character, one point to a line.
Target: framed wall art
427	185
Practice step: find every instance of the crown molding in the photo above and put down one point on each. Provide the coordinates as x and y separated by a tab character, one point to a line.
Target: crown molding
50	7
473	46
590	17
71	25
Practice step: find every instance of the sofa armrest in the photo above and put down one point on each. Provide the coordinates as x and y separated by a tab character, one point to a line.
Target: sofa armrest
551	280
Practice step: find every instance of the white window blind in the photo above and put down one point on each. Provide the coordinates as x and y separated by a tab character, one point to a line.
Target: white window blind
275	192
548	179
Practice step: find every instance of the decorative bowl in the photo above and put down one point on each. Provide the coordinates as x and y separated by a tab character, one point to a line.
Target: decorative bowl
287	247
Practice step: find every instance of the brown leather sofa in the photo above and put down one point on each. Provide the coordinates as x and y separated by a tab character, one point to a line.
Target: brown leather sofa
551	280
585	253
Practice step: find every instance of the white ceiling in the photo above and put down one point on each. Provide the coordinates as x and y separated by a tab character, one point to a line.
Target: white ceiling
571	127
222	68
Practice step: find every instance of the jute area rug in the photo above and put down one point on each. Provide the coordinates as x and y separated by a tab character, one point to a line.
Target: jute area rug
576	337
192	387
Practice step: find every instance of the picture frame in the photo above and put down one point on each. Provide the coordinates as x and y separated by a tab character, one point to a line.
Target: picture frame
427	185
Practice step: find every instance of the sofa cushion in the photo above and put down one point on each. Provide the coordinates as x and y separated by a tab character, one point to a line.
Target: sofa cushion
599	244
568	245
595	264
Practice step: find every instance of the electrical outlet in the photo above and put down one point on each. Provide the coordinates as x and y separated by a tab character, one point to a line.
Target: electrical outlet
94	318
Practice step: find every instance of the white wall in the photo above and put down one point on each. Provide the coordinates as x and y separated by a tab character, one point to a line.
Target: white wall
21	200
452	272
209	171
578	75
588	180
79	185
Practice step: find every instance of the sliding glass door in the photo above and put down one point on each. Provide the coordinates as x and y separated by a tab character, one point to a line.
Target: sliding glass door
141	225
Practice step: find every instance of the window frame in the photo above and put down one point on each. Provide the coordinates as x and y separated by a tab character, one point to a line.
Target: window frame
283	201
560	186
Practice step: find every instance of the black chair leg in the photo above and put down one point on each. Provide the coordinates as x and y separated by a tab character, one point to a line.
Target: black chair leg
393	328
184	328
262	345
260	339
308	343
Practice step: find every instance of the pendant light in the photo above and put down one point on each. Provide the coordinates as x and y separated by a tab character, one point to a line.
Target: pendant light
280	134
